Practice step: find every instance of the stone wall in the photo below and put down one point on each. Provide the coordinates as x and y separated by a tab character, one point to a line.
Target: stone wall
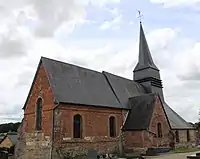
183	142
37	146
21	142
80	148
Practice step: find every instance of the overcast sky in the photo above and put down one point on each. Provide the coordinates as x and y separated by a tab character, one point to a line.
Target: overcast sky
101	35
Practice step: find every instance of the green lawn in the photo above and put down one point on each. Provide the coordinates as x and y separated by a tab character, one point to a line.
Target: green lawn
185	150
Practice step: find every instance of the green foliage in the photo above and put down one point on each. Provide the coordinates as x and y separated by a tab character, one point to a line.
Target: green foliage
9	127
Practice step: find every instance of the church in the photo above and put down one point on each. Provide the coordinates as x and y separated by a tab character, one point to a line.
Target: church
70	109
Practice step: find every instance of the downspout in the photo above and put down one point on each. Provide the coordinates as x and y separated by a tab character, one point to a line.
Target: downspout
52	131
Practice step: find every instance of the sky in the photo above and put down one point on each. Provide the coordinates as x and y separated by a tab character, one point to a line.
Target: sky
101	35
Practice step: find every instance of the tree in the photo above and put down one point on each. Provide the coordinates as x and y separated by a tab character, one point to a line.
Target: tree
4	128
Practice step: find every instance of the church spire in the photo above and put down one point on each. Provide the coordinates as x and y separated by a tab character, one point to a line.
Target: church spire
145	59
146	73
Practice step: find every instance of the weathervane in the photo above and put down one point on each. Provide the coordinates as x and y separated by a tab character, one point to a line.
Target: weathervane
140	16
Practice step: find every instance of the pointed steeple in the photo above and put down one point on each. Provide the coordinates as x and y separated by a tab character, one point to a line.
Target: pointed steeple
145	59
146	73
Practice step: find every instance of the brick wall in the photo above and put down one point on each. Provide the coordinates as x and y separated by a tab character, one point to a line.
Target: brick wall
95	122
37	143
147	139
41	88
95	125
133	139
159	116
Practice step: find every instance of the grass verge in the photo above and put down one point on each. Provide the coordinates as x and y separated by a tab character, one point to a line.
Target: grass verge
185	150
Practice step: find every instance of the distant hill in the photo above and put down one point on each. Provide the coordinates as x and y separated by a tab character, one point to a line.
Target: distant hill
4	128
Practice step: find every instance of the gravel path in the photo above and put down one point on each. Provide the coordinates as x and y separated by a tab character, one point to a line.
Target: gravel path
174	156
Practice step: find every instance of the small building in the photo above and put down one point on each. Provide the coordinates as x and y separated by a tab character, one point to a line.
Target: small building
8	141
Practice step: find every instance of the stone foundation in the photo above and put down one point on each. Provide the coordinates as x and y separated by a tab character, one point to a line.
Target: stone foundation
37	146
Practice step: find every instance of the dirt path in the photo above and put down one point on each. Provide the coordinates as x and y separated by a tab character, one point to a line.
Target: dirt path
174	156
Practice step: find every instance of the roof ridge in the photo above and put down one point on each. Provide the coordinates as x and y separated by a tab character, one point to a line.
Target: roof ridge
66	63
142	95
51	59
120	77
117	75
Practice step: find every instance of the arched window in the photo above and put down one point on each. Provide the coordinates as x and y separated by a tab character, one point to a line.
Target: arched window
159	130
77	126
39	114
177	136
112	126
188	135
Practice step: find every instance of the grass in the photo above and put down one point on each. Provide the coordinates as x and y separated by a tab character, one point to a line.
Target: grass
185	150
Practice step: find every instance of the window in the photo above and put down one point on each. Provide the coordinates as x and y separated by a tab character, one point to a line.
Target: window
77	126
39	114
159	129
188	135
112	126
177	136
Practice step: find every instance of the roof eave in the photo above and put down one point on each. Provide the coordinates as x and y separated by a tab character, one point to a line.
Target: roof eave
132	129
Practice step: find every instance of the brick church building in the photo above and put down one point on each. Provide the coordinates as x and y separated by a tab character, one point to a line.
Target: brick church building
71	109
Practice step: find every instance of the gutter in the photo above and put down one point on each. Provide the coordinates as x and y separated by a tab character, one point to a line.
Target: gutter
52	131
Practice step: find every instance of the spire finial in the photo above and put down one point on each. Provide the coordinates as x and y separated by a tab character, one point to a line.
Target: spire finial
140	16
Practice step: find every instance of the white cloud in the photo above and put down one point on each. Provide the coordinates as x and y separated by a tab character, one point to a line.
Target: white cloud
99	3
177	3
113	24
24	22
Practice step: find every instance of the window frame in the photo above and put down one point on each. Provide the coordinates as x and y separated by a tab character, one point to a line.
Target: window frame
112	126
38	111
159	130
80	126
177	136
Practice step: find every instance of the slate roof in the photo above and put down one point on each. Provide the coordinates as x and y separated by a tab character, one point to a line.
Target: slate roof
13	138
78	85
124	88
141	112
176	121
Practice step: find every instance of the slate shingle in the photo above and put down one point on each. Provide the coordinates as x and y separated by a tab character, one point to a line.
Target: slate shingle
77	85
141	112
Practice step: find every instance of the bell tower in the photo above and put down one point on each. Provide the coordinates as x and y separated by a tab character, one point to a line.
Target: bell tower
146	72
